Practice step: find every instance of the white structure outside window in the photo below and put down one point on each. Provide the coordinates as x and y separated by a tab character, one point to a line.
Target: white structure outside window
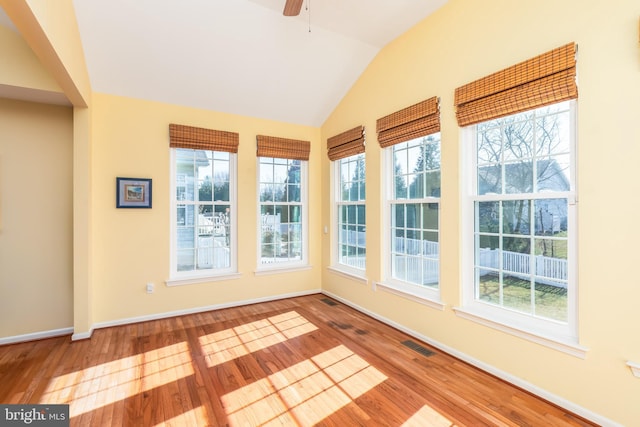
413	209
282	202
203	214
520	221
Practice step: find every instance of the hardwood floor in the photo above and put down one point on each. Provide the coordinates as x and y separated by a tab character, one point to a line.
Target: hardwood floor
300	361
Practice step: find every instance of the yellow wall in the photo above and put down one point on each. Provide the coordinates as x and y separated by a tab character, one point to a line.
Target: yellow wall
24	70
131	246
36	281
466	40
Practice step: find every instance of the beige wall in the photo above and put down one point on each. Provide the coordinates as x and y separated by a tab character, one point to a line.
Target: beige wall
466	40
131	246
36	281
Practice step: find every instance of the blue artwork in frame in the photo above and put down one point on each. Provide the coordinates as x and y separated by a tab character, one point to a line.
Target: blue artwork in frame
133	193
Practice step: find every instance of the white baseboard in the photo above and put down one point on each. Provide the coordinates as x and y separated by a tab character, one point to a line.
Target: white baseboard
166	315
36	336
544	394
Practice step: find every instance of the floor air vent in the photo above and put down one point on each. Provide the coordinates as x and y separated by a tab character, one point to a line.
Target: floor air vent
328	301
417	347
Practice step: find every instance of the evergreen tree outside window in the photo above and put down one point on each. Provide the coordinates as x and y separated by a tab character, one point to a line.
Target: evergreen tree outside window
414	209
282	211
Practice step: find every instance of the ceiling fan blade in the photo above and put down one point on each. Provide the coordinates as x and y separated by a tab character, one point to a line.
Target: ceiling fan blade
292	8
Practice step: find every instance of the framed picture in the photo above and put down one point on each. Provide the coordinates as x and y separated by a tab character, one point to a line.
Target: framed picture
133	193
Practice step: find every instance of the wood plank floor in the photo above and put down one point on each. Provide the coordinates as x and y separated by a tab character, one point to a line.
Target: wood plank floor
293	362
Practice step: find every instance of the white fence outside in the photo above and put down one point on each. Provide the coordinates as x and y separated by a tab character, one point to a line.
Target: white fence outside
212	253
551	271
417	261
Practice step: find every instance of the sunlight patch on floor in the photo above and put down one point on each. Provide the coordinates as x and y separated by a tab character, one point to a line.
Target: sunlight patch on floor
107	383
232	343
427	416
304	393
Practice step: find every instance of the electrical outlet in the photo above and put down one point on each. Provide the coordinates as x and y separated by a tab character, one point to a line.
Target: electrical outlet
150	288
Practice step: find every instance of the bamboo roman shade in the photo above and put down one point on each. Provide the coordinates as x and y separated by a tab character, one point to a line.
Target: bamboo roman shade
345	144
283	148
540	81
412	122
181	136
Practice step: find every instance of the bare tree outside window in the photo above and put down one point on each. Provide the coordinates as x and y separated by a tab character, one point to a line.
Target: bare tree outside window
523	185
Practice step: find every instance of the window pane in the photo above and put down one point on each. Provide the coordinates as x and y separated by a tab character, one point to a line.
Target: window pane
517	292
186	237
397	215
488	252
553	134
221	191
416	186
553	174
400	183
360	212
488	214
551	217
489	146
430	216
518	141
295	214
489	288
490	179
551	299
186	259
432	186
516	217
518	177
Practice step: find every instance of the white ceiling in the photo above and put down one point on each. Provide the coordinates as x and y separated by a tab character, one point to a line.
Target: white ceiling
239	56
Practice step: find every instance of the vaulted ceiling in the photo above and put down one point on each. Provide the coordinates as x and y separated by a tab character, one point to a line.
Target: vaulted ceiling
239	56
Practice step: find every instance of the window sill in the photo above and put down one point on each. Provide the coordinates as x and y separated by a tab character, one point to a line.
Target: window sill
349	274
279	270
555	343
420	299
201	279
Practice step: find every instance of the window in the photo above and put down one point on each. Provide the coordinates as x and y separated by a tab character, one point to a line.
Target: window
203	212
411	140
523	208
350	214
282	204
413	206
519	220
203	204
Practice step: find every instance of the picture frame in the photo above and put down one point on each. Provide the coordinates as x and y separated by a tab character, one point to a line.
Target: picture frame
133	193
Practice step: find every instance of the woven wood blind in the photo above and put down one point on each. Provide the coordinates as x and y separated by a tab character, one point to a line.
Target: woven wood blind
543	80
345	144
283	148
181	136
412	122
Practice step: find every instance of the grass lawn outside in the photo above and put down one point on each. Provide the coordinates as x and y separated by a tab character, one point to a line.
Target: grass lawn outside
550	301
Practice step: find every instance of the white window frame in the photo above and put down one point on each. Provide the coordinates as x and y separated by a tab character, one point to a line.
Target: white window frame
176	277
291	265
422	294
337	203
562	336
